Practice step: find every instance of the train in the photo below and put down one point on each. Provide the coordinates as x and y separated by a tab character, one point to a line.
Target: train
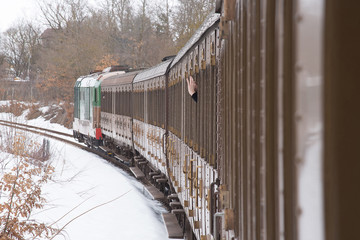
270	149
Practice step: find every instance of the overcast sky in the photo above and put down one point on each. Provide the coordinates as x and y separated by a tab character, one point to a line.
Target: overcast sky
14	10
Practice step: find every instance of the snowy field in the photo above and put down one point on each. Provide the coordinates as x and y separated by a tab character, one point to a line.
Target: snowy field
83	181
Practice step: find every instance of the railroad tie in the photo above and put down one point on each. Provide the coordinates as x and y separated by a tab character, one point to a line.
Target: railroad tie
161	180
178	211
175	205
173	196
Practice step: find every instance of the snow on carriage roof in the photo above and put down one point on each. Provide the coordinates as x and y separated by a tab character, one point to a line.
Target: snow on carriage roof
119	79
209	21
152	72
87	81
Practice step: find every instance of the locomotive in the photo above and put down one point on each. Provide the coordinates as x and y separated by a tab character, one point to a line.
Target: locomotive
257	156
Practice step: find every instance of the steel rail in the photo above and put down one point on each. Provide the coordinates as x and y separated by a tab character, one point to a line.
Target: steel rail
78	145
124	167
39	128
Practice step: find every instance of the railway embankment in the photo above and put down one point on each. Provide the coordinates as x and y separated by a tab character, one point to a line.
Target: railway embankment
60	113
85	192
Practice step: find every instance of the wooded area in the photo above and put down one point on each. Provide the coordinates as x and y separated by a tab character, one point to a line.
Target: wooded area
79	38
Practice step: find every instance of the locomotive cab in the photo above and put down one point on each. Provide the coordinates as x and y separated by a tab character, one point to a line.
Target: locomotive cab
87	100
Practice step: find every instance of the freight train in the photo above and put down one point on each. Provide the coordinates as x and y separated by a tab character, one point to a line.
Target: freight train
265	152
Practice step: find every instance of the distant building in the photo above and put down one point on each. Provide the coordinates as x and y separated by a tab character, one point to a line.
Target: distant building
47	37
7	73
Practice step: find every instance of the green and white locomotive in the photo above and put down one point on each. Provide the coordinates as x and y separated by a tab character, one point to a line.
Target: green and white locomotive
87	107
87	101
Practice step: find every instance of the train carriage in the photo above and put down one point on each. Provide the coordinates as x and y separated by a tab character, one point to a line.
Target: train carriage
149	116
287	70
116	114
191	143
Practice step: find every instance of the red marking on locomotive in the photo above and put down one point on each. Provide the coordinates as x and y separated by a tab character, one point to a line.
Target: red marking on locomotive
98	134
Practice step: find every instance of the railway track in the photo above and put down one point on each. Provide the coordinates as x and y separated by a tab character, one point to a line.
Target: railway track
3	122
52	134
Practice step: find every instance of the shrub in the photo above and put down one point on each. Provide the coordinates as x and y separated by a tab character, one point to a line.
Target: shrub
20	189
34	112
14	107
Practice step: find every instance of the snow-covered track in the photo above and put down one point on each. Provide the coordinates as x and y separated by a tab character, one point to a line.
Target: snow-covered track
64	138
37	128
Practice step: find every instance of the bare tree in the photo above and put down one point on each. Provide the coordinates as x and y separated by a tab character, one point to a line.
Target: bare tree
2	65
120	13
77	44
189	15
117	19
163	20
60	14
21	190
20	45
72	52
164	29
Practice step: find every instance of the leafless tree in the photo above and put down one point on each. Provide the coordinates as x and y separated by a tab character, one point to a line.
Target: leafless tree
20	46
81	36
60	14
119	13
163	15
189	15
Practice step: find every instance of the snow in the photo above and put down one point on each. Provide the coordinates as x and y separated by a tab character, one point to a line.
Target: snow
310	192
39	122
84	181
82	176
153	72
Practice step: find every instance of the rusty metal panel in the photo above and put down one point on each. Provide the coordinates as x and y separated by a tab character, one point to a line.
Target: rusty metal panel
138	101
256	111
341	127
189	131
174	103
285	136
191	177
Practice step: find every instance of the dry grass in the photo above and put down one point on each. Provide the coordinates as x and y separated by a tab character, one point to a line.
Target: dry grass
62	113
34	112
21	189
14	107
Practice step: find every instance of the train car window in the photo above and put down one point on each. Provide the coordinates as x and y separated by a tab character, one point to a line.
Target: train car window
95	95
76	102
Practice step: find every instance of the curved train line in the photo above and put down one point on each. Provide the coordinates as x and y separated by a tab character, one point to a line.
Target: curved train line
42	131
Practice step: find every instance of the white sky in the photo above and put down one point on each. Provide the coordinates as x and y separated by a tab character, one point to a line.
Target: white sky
14	10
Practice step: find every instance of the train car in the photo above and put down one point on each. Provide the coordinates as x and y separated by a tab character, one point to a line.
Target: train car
87	100
116	111
191	143
288	160
269	143
150	114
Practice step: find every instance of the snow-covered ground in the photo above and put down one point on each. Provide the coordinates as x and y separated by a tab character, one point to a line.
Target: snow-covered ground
83	181
84	178
40	122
